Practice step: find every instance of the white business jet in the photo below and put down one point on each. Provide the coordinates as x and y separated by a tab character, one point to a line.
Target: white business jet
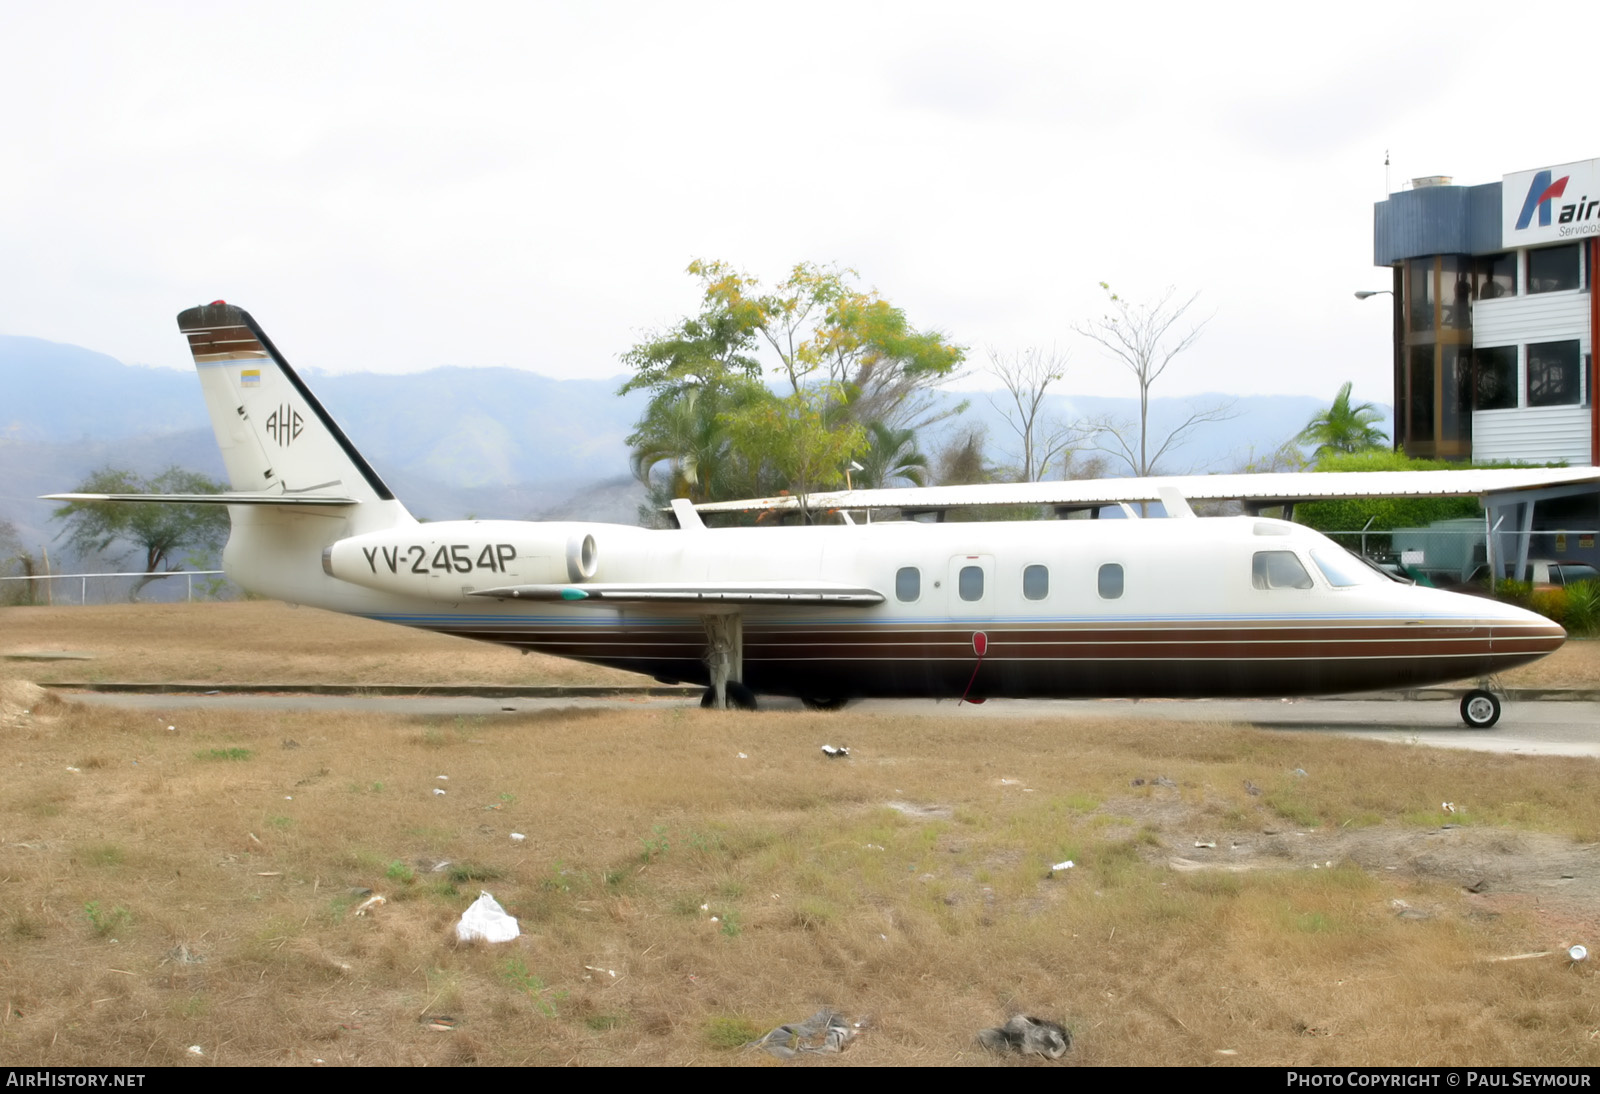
1235	606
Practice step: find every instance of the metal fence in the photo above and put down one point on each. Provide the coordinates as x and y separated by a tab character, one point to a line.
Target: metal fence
83	581
1457	549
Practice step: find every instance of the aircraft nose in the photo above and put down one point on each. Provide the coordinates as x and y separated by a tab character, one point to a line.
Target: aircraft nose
1518	630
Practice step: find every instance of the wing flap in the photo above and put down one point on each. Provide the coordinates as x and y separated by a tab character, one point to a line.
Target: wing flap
752	592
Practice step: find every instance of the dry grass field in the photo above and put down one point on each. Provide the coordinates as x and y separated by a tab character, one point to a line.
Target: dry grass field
690	879
265	641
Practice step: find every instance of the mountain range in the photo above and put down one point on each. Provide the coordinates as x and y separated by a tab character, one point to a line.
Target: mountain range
453	442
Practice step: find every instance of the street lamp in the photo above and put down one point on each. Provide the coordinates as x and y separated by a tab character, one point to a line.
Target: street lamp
1364	293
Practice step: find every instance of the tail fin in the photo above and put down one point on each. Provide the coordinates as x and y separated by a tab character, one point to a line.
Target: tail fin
275	436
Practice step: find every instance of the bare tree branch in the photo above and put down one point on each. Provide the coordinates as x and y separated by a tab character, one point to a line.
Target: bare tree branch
1027	377
1145	339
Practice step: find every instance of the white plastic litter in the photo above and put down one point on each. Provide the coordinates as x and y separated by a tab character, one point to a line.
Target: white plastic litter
1578	953
518	836
486	920
437	792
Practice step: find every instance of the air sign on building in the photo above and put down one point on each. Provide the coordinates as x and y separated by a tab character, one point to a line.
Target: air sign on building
1550	205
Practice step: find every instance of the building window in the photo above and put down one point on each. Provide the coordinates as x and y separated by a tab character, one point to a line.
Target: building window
1497	378
970	583
1456	280
907	584
1419	293
1495	276
1553	269
1455	409
1553	377
1036	582
1110	581
1419	424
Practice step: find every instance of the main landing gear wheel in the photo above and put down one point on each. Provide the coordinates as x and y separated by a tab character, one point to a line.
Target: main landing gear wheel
823	704
1480	709
738	696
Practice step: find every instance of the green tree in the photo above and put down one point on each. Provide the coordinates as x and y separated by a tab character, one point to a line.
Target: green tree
684	430
962	460
826	331
847	357
791	440
1343	428
166	533
16	561
1386	514
891	456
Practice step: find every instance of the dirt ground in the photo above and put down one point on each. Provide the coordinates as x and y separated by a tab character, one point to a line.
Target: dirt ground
265	641
688	879
1488	871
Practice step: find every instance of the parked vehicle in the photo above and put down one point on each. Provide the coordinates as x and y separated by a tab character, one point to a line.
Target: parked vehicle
1546	573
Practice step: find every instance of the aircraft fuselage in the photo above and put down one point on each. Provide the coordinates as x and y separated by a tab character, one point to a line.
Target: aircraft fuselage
1177	608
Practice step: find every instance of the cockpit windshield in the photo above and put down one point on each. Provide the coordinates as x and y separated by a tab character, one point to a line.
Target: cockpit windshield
1344	569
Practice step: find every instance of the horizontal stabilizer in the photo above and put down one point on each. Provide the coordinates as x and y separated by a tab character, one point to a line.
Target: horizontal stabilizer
210	499
747	592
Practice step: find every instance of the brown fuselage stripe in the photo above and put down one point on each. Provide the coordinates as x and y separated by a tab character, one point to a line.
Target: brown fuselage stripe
937	660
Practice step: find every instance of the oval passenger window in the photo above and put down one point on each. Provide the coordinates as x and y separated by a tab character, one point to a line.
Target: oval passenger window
1111	581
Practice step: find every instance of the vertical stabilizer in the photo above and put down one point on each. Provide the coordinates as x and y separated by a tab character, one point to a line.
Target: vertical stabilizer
274	434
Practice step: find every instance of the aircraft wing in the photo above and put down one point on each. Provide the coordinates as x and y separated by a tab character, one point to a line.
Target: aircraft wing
208	499
1266	488
710	592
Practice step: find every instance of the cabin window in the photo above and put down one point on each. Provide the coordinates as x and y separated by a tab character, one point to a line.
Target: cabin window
1279	570
970	583
907	584
1111	581
1036	582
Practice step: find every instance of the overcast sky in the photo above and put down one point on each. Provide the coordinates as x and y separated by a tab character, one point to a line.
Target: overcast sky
391	187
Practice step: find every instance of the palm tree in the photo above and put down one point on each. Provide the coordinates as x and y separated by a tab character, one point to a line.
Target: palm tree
1343	428
681	429
893	455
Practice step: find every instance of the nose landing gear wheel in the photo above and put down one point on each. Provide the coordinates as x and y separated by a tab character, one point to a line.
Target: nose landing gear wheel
1480	709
